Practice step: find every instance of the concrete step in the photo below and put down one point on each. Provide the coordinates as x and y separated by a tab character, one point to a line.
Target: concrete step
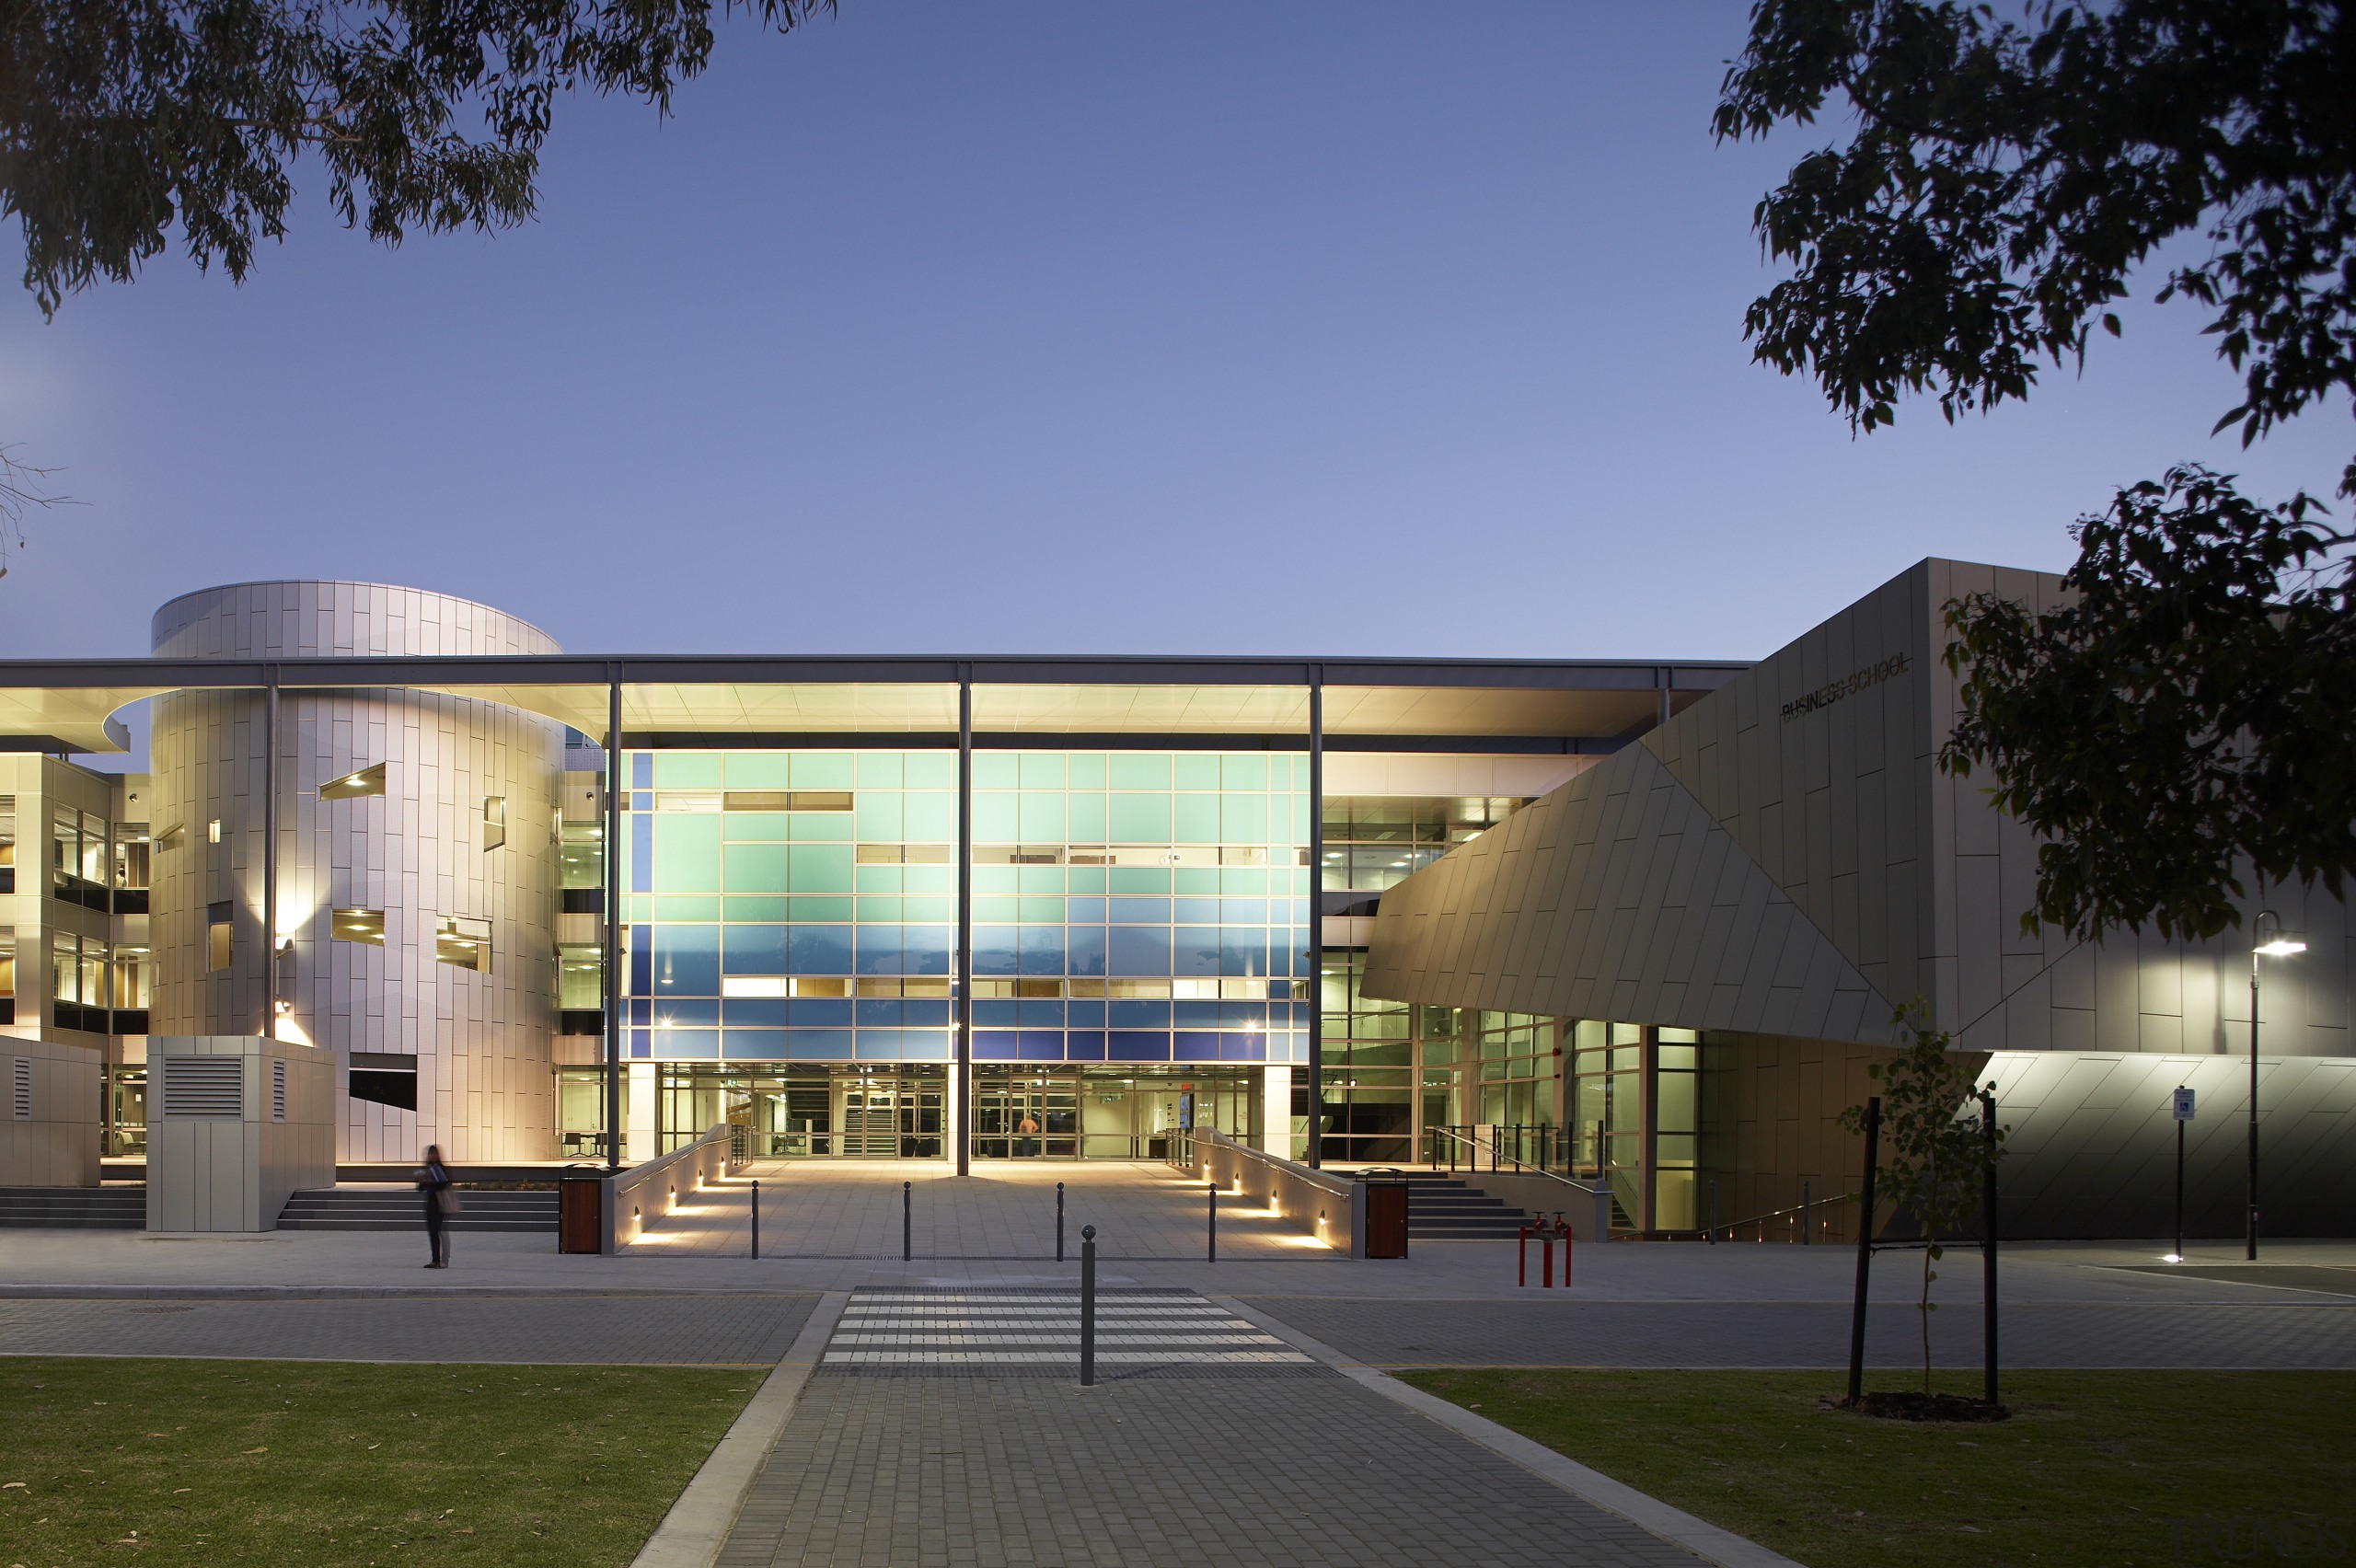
392	1208
74	1208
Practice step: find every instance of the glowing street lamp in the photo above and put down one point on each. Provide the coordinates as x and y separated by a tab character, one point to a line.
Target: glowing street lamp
2282	946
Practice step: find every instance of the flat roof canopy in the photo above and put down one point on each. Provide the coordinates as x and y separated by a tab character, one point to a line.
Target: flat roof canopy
69	704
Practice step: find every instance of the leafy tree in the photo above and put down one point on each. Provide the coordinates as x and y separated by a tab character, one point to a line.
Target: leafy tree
1934	1159
2004	180
120	119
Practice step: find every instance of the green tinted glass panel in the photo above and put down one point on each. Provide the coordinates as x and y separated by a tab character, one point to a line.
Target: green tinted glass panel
880	818
759	910
686	851
930	879
1194	820
877	878
1140	770
698	910
821	867
822	911
1039	879
822	770
756	868
1042	770
1039	911
929	911
819	827
755	770
881	770
995	911
931	770
1086	770
1243	819
995	817
687	770
1139	878
1086	878
929	817
1193	770
754	827
994	879
997	770
1086	818
1140	819
1041	816
879	911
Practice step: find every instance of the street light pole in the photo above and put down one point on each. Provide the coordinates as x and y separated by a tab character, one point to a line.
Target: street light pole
2282	946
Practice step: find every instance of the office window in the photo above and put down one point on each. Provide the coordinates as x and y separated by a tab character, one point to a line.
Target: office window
369	780
8	975
357	926
217	926
212	830
495	820
7	843
463	943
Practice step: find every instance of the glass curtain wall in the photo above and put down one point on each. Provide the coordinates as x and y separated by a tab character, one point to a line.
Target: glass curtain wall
1637	1119
1130	908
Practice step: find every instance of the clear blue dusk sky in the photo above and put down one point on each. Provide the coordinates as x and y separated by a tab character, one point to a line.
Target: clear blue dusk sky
1222	328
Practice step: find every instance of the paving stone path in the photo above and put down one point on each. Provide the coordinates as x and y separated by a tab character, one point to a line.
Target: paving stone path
1237	1463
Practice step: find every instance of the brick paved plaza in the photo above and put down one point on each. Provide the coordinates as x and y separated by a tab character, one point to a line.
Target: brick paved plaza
942	1422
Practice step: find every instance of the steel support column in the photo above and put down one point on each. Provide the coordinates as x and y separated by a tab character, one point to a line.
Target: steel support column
962	1095
1316	915
270	852
613	954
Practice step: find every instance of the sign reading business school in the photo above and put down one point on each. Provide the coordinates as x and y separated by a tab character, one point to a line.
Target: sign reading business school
1825	696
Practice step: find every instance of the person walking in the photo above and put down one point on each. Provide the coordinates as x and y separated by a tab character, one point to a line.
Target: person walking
441	1200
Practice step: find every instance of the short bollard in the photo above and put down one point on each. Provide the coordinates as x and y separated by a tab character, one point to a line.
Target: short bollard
756	1217
1060	1222
1565	1226
1546	1260
1088	1306
907	1229
1211	1252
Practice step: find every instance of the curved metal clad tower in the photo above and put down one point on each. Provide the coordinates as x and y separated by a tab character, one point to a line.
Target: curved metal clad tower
416	906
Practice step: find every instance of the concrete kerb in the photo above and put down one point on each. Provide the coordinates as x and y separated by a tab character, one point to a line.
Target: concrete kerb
1674	1526
697	1526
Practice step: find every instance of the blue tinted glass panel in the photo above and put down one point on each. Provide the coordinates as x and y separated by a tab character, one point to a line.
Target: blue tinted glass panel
1139	950
879	949
879	1012
642	961
757	1012
1243	951
1195	911
928	948
1138	1015
687	1012
997	950
1084	1045
823	1013
1086	949
687	961
1193	950
924	1045
997	1045
996	1012
1043	950
755	950
1042	1045
822	950
929	1011
1193	1046
753	1044
1084	1014
1085	911
1137	1046
687	1042
818	1044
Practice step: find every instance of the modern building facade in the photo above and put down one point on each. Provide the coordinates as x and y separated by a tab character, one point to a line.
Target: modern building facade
1641	922
919	908
1718	923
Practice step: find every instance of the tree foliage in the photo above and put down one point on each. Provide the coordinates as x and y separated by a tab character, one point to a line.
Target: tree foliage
2191	693
122	118
1933	1157
2004	178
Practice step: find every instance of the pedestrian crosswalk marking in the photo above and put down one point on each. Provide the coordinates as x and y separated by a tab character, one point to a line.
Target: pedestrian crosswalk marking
1037	1330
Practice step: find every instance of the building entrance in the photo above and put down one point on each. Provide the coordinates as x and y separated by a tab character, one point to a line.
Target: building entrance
779	1111
1072	1113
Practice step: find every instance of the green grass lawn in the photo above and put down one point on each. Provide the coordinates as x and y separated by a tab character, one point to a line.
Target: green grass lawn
333	1463
2094	1467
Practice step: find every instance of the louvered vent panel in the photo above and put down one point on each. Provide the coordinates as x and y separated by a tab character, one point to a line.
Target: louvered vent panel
23	1085
204	1086
278	1091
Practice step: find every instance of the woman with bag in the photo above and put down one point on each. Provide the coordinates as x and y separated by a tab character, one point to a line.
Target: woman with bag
441	1202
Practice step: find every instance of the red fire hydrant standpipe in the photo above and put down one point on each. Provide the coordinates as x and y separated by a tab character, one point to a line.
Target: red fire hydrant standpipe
1546	1232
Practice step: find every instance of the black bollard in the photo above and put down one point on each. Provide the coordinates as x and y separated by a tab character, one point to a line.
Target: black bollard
1088	1306
1211	1247
1060	1222
756	1217
907	1231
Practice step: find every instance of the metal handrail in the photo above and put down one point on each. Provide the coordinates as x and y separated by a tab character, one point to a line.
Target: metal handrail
1521	1167
1795	1212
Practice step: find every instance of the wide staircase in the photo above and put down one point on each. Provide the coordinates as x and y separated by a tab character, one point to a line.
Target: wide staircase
1445	1208
402	1208
120	1207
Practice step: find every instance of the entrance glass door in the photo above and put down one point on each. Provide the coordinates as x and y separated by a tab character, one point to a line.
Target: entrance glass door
1026	1115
